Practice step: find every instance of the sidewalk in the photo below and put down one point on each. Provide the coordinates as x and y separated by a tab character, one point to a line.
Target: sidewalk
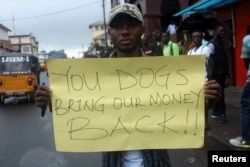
219	134
217	137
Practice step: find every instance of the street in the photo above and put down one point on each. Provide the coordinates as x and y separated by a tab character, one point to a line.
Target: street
27	141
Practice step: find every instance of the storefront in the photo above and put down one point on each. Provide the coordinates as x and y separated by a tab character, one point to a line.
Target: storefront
233	14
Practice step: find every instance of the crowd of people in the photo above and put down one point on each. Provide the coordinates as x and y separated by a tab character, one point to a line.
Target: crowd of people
214	50
127	33
217	68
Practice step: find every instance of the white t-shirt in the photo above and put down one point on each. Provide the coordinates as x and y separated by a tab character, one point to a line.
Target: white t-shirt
202	50
171	29
132	159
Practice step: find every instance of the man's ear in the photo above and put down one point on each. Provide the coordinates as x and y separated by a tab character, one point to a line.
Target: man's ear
108	30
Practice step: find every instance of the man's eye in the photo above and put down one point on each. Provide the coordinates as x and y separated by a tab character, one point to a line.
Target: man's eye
132	25
120	26
117	26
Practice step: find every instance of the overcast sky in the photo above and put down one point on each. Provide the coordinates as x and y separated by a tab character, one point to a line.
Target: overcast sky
56	24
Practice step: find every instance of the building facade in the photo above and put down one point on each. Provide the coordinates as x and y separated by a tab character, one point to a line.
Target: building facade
5	43
100	40
98	34
25	43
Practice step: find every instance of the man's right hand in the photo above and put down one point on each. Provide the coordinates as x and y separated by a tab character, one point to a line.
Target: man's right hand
43	96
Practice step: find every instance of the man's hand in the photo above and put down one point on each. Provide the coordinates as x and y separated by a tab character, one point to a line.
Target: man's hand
212	91
43	96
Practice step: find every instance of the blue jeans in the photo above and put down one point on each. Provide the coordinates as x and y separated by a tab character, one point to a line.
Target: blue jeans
245	113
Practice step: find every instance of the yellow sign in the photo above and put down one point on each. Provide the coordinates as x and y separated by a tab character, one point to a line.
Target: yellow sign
114	104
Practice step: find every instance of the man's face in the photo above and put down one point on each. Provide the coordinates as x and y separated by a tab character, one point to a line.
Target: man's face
126	33
156	36
165	37
220	32
197	38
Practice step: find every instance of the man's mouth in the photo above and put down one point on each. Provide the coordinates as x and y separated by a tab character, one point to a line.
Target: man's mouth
127	41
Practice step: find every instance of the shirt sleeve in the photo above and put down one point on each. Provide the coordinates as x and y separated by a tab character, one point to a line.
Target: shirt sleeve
206	51
245	51
211	47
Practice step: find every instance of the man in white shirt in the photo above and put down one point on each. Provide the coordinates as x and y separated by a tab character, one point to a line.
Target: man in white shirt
171	29
200	49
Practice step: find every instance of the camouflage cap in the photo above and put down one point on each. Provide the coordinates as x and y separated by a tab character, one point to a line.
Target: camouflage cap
126	8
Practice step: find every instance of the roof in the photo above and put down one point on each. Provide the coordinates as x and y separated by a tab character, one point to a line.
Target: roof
6	44
102	36
24	35
17	54
4	28
97	23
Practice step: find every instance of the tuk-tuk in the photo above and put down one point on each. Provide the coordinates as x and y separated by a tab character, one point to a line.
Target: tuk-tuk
19	75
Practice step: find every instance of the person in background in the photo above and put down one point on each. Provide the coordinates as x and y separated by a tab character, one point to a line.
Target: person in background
145	47
169	48
157	49
204	42
125	29
200	49
221	69
171	29
182	48
244	139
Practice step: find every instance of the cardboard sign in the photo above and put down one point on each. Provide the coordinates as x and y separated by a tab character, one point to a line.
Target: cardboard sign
115	104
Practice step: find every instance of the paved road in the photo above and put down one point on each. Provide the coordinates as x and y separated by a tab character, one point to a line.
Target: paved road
26	139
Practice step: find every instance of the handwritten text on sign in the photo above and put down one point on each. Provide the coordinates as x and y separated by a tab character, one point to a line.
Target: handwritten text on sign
127	103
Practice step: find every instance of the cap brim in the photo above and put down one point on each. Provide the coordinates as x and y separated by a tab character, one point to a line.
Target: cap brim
117	16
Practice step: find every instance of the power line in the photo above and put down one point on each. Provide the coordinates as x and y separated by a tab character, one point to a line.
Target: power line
53	13
61	42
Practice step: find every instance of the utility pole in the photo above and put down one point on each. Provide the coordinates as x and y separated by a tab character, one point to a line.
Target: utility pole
104	20
14	28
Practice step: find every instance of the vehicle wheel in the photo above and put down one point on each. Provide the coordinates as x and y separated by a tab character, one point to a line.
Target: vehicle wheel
29	98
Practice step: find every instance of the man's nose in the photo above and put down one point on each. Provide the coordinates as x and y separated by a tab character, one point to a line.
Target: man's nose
125	28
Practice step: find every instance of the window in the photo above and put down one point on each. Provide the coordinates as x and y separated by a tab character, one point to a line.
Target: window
26	49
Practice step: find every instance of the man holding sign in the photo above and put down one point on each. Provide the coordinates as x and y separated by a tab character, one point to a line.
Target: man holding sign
126	29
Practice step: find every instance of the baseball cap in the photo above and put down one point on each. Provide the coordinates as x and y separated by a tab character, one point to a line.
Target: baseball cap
125	8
